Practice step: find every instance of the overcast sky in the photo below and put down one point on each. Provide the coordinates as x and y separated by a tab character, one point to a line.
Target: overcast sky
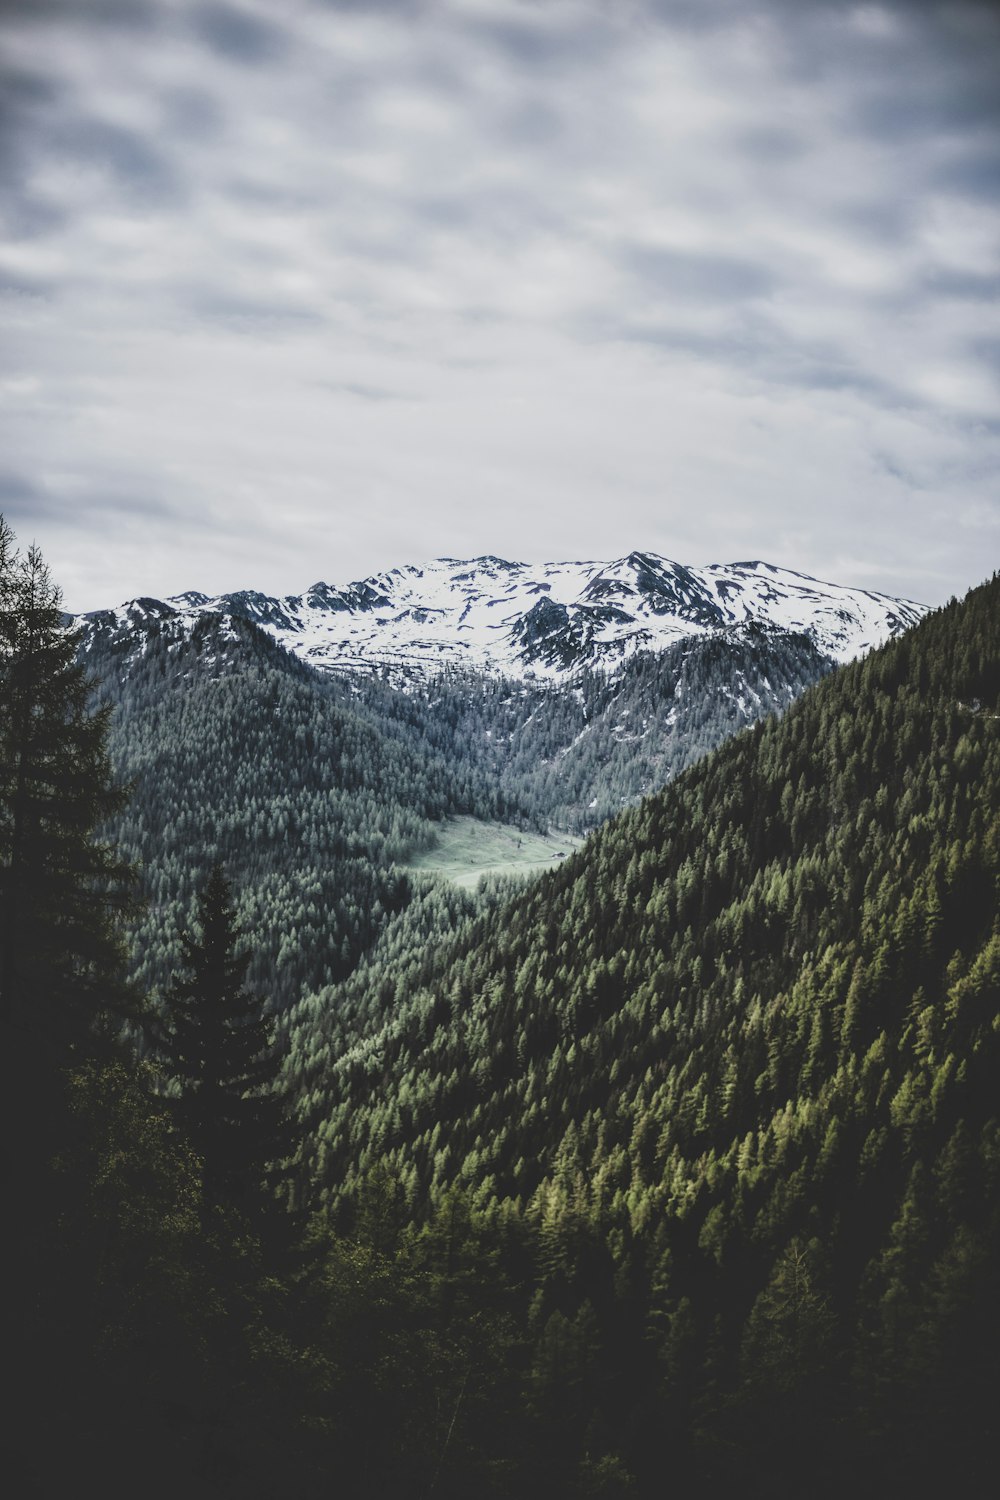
303	290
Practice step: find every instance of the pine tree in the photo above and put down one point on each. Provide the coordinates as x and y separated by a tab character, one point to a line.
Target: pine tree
216	1047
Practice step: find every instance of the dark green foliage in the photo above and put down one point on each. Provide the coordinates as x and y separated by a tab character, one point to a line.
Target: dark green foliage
60	887
131	1336
98	1194
215	1044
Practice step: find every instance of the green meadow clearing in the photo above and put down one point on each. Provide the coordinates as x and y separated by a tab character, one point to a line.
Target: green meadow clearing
468	848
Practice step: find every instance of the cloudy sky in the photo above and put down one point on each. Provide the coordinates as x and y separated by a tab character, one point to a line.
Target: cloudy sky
302	290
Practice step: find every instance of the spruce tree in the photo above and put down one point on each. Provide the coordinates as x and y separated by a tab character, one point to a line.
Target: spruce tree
62	888
215	1044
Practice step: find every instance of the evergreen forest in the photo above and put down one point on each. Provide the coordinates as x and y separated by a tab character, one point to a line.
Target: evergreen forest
675	1170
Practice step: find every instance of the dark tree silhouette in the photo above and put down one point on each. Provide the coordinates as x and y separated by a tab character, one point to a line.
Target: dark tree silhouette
216	1045
61	887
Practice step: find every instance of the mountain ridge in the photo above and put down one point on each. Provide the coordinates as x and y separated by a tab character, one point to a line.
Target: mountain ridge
532	620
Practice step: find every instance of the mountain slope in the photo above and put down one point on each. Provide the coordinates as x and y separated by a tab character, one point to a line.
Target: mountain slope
236	751
753	863
731	1069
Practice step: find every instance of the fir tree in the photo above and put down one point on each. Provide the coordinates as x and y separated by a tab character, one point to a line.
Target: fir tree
61	887
216	1046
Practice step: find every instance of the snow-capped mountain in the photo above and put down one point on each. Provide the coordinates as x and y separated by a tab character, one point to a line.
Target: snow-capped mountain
542	620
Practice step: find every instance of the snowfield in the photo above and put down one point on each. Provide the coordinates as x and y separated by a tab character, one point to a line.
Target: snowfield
543	620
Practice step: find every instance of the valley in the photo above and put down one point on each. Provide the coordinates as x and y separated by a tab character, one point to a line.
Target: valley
328	794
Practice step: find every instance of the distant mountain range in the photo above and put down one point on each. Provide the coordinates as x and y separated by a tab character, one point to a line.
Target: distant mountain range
531	620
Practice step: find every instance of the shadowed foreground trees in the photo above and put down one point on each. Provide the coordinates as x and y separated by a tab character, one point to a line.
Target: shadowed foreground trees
215	1044
62	889
126	1330
98	1232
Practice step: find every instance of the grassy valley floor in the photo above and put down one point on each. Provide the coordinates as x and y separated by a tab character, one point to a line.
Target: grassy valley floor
468	848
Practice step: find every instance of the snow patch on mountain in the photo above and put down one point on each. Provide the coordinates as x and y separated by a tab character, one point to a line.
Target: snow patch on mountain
534	620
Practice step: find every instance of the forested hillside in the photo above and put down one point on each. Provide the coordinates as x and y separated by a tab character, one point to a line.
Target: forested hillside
581	755
237	753
731	1073
314	789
